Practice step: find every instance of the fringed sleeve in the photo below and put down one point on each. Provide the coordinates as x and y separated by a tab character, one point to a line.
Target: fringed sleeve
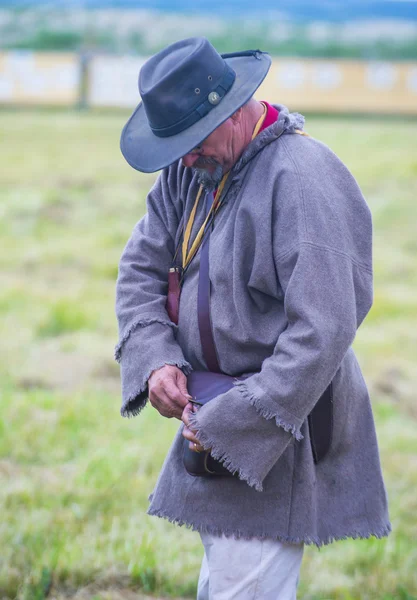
146	334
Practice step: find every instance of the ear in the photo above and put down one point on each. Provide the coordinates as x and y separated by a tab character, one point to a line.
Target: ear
237	116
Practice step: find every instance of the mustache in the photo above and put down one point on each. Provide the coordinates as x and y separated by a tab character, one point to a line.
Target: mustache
204	161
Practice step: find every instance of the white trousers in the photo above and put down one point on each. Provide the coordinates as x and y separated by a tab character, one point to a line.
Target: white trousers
237	569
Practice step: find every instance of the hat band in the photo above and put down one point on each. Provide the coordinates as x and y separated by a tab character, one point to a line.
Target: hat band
202	109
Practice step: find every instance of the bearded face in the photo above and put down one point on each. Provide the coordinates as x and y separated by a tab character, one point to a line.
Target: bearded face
209	171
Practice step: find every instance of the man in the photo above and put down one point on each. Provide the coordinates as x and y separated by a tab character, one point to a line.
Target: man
289	270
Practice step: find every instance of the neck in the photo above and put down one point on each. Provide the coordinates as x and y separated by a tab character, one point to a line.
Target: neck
255	111
252	112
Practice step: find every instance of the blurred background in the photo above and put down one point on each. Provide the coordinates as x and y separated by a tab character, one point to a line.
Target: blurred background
74	475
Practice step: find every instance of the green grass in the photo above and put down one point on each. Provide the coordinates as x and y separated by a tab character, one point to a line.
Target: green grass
74	475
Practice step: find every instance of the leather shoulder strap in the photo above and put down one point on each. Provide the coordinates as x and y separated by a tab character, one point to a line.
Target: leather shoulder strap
203	305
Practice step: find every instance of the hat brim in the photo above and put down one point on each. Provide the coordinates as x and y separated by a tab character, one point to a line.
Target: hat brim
148	153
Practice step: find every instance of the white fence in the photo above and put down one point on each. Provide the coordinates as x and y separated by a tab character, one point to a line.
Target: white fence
35	78
302	84
113	81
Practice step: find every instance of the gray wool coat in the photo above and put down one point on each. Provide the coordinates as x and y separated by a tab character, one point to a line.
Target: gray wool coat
291	274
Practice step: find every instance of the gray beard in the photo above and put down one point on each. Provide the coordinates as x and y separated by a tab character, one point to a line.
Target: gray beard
209	181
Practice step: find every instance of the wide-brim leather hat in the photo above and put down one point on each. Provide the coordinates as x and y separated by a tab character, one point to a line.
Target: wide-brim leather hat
187	91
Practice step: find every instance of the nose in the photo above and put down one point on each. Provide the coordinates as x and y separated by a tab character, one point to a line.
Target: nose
189	159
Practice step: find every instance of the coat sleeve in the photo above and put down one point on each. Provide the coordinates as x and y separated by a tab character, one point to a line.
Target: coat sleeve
146	334
327	293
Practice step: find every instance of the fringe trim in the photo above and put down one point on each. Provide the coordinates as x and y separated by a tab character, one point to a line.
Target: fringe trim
129	411
144	322
223	457
378	532
266	413
134	405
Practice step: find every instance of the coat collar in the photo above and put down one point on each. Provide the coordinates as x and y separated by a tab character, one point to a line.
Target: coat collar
287	123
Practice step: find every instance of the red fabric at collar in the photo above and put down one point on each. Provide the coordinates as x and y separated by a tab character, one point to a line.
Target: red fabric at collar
270	117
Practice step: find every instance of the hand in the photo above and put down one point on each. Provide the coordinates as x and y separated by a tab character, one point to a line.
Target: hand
168	393
188	433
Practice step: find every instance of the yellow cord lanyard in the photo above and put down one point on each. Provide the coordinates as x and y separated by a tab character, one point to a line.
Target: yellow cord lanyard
187	256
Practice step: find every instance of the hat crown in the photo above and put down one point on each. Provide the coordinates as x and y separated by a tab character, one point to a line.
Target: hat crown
182	83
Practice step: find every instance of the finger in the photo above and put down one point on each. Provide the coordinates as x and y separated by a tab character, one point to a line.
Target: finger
161	397
165	406
155	397
182	384
185	418
190	435
166	378
196	447
172	390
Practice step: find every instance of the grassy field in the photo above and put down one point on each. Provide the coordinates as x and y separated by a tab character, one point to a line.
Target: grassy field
74	475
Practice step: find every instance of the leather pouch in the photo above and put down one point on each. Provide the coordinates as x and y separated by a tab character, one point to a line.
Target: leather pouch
204	386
